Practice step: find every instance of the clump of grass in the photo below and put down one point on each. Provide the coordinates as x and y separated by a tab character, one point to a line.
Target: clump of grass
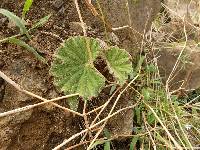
21	24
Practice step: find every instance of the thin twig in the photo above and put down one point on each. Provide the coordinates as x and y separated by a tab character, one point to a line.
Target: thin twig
10	81
111	111
151	138
95	125
80	18
164	127
36	105
53	35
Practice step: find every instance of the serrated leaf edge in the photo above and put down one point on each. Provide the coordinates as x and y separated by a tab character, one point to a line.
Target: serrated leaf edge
111	71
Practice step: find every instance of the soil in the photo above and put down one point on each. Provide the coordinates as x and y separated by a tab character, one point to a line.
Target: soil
45	127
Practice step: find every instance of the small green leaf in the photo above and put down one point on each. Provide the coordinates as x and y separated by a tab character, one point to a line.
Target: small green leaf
19	22
41	22
151	68
133	143
108	136
119	64
162	139
146	93
73	70
113	88
73	102
107	133
150	118
107	145
96	143
26	8
29	48
138	114
139	64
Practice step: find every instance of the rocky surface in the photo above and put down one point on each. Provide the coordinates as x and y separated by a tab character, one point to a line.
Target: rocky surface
46	127
187	9
187	73
137	14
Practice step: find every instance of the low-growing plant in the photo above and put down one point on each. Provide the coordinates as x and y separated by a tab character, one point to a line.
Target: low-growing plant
161	119
21	24
74	71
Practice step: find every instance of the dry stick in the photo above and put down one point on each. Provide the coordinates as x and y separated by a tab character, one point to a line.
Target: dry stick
175	130
90	128
80	18
164	127
53	35
86	120
165	6
36	105
91	7
36	96
178	59
82	143
167	88
104	106
145	123
94	110
113	138
113	107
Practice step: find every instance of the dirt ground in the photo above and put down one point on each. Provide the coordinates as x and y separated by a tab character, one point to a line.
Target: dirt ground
45	127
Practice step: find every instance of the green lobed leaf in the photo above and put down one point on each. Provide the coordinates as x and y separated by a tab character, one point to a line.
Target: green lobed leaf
72	68
28	47
19	22
119	64
26	8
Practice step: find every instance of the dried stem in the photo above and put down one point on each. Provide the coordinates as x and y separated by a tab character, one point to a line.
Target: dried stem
45	101
80	18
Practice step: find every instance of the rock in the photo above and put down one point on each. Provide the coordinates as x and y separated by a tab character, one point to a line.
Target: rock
21	72
187	73
139	15
76	27
188	9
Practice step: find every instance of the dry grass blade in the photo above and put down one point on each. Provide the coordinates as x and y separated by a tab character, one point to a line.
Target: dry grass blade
80	18
91	127
165	128
36	96
111	111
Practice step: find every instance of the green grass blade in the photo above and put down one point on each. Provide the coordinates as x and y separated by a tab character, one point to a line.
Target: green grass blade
26	8
29	48
133	143
107	145
18	21
41	22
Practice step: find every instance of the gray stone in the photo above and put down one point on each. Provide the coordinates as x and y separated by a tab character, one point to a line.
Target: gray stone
138	15
187	73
